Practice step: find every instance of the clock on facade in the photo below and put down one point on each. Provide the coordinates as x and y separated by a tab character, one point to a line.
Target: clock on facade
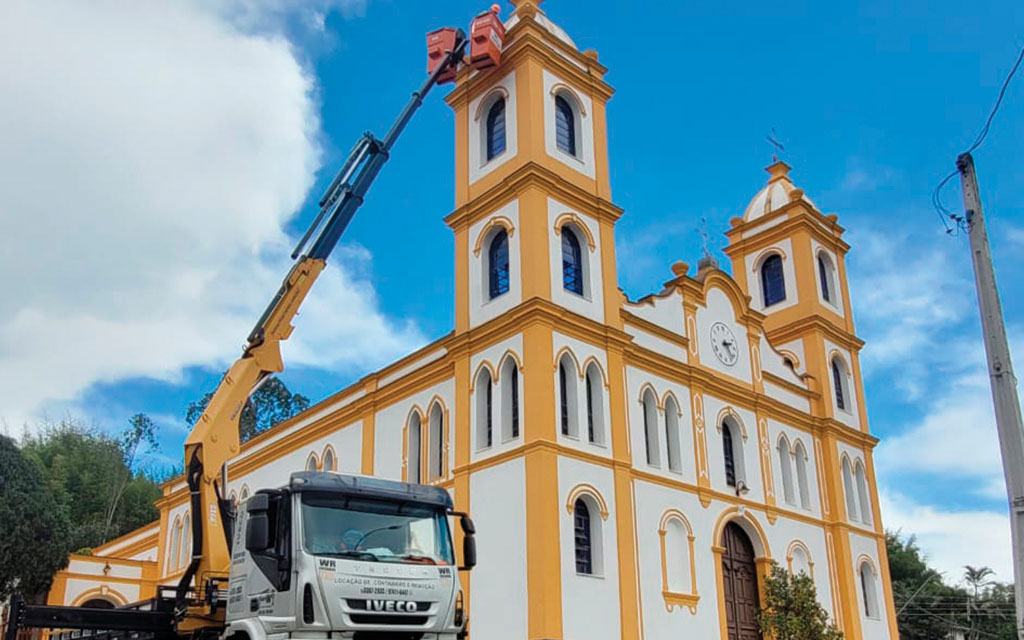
723	343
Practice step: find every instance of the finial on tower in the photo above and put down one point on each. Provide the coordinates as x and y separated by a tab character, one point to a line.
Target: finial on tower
706	260
777	146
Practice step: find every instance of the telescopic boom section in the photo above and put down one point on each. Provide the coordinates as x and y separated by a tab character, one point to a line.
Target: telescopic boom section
215	439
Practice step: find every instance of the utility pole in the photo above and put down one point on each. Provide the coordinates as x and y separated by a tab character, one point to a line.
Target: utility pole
1004	384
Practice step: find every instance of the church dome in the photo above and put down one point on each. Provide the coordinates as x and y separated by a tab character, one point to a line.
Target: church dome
541	19
779	192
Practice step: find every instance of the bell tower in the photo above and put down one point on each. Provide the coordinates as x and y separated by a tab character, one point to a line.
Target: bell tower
531	161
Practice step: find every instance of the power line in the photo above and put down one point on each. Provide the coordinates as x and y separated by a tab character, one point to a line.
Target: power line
945	215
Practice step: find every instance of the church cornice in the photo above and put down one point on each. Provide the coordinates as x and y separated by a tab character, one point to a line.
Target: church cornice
800	328
532	175
797	215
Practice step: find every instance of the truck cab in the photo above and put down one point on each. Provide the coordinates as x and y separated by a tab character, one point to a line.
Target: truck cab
347	558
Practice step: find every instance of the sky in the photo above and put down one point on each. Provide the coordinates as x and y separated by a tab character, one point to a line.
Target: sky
160	159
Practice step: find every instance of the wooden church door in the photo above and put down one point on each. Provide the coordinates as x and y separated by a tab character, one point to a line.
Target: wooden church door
739	581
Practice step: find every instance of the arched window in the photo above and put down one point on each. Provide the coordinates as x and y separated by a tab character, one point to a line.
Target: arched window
801	475
484	409
174	549
243	495
595	405
186	542
495	134
435	452
729	453
677	557
867	587
786	468
851	497
567	396
650	409
497	265
572	262
311	462
329	462
864	499
565	126
773	283
587	536
825	275
839	383
413	449
675	460
509	399
799	561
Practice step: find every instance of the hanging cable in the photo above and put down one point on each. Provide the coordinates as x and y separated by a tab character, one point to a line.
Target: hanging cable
945	215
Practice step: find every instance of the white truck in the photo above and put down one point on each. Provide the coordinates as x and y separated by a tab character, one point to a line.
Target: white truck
347	557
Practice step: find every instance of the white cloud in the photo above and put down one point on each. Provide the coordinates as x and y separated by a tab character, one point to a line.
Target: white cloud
953	538
152	153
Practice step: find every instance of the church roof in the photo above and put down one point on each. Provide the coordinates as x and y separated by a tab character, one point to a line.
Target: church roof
779	192
541	19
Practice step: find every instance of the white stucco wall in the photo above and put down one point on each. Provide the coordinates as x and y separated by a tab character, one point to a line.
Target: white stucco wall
719	309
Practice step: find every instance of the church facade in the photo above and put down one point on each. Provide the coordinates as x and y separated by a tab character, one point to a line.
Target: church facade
633	467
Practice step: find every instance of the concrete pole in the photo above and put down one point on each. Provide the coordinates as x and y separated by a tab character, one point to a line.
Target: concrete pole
1004	384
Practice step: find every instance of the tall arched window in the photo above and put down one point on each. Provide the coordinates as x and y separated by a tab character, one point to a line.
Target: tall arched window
650	409
497	265
801	475
174	549
484	409
243	495
595	405
839	383
729	454
509	377
496	129
435	451
572	262
851	496
329	462
186	541
563	397
583	537
675	460
413	449
786	468
825	275
773	283
867	588
565	126
863	498
311	462
567	398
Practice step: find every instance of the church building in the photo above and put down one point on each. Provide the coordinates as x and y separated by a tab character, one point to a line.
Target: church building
633	466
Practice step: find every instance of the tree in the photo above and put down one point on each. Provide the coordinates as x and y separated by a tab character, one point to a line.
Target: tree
140	431
36	530
83	469
976	577
791	610
270	404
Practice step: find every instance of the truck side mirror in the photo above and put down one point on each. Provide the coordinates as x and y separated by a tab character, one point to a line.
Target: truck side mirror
257	528
467	525
468	552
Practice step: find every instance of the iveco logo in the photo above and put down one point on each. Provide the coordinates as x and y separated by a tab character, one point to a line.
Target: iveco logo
390	605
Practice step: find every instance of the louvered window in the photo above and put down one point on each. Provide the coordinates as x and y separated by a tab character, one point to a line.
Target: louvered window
490	414
572	262
563	387
496	129
773	284
730	460
823	275
837	382
497	256
565	126
514	381
581	518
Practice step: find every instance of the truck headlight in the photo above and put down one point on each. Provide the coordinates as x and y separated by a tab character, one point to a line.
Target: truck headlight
460	613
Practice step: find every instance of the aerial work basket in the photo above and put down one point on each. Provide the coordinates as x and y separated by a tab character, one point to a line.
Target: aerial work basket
486	35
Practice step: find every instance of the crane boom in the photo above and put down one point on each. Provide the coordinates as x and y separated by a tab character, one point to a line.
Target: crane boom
215	438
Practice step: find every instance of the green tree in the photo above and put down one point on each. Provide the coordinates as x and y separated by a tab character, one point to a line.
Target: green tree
270	404
791	611
140	432
35	527
84	470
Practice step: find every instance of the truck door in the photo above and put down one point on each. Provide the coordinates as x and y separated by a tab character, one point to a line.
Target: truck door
269	583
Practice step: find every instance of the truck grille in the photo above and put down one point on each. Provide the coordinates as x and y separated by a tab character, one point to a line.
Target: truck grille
387	635
388	618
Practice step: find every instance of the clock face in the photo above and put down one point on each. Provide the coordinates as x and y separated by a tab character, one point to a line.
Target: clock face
723	343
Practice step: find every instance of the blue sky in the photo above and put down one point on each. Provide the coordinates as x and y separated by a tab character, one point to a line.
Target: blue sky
181	146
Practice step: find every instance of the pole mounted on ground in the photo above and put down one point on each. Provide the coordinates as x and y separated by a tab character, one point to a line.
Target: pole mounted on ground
1004	383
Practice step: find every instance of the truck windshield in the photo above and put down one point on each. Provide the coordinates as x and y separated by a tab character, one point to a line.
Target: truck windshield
375	530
